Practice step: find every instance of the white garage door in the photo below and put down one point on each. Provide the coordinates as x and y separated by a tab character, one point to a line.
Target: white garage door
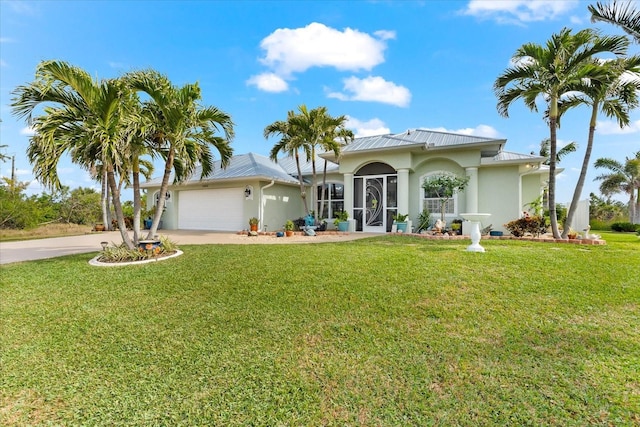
219	209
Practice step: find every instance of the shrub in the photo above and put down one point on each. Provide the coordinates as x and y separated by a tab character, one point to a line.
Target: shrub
624	227
122	254
597	224
533	224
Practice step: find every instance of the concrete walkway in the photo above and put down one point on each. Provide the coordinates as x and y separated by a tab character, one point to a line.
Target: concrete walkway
28	250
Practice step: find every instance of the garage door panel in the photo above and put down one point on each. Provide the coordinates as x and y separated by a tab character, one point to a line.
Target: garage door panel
211	209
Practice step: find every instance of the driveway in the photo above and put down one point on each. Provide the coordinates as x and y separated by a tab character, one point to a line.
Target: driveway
28	250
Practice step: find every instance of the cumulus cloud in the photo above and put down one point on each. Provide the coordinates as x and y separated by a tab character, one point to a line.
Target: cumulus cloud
519	11
268	82
480	130
612	128
28	131
373	88
366	128
289	51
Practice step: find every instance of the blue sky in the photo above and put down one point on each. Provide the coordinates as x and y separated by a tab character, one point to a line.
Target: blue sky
388	65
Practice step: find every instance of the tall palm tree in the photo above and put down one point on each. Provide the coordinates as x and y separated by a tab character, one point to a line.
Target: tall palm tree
622	14
319	130
179	130
82	117
292	141
333	137
622	178
550	72
614	92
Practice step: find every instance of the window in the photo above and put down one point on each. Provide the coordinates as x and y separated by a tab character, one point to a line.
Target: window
333	200
431	201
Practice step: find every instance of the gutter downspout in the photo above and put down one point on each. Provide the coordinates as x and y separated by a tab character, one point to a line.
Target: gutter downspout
261	206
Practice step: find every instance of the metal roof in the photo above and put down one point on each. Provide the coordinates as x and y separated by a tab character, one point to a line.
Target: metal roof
243	166
416	137
289	165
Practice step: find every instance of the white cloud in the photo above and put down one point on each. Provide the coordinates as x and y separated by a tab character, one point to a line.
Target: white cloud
28	131
373	89
3	63
612	128
519	11
316	45
480	130
268	82
367	128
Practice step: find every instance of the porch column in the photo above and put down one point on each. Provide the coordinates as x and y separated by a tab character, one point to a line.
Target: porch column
472	190
348	193
403	191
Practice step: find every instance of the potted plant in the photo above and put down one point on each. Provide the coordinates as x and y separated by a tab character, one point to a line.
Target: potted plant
253	223
456	226
288	228
341	220
572	234
401	222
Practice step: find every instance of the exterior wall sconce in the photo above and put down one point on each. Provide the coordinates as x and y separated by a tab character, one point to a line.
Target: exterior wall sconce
248	192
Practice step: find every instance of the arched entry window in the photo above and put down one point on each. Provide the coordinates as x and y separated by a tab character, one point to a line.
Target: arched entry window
375	197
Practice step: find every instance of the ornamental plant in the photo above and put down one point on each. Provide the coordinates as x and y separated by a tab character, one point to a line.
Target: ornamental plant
533	224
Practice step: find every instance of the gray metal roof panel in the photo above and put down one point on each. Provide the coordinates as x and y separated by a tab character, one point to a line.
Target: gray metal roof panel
415	137
250	165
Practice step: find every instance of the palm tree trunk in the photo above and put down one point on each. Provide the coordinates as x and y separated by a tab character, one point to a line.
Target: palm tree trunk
161	197
552	170
324	184
314	192
303	193
136	199
577	192
104	200
117	206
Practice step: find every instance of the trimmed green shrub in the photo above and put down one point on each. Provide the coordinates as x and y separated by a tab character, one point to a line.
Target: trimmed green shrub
624	227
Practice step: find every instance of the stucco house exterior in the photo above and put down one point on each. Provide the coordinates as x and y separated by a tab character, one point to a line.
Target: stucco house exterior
374	178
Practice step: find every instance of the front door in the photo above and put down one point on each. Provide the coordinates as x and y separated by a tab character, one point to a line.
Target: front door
374	212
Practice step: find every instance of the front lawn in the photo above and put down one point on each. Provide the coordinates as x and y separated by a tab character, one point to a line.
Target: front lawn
389	331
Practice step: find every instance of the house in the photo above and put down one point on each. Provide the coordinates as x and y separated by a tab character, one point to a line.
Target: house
374	178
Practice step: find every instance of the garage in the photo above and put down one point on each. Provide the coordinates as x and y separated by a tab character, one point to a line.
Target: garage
216	209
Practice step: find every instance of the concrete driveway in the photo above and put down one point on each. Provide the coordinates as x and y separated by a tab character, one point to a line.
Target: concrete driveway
28	250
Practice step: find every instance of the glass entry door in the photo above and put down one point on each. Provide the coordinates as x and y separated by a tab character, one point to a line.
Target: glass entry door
375	205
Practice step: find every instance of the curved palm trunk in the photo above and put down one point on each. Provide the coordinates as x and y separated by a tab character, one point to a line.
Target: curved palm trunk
117	207
303	193
163	191
552	171
583	173
104	201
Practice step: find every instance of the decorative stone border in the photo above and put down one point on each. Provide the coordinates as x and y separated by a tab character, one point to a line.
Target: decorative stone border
94	261
527	239
297	233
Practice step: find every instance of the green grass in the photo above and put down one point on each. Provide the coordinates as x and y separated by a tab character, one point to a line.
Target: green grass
386	331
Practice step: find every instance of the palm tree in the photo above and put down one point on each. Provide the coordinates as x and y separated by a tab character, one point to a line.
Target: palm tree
614	92
550	72
622	14
179	130
623	178
545	146
291	142
333	137
83	118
